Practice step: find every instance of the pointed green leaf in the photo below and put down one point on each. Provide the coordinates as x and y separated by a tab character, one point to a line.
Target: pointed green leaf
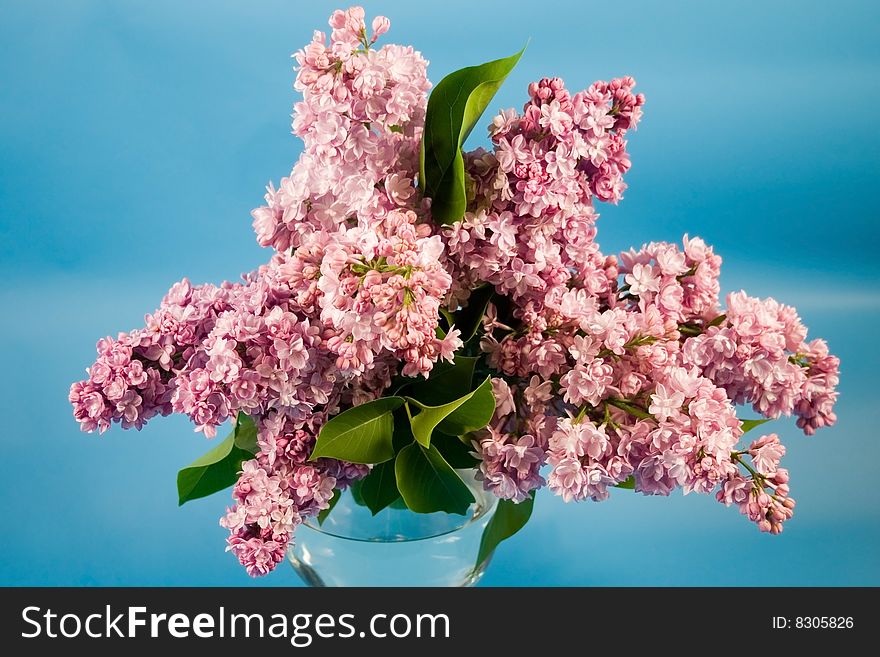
446	321
379	488
428	483
474	414
457	453
355	490
447	382
246	434
402	432
212	472
507	520
628	484
468	319
454	107
748	425
458	416
361	434
427	419
323	513
398	504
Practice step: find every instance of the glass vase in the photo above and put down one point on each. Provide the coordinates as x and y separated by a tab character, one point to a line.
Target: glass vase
396	547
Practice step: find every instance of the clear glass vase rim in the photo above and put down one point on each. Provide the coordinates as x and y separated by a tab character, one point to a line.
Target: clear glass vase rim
484	504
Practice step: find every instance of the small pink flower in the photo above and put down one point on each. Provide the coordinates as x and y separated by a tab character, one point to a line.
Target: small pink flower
380	26
504	403
642	279
665	403
766	452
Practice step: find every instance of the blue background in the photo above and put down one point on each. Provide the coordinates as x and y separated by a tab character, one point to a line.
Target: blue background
137	137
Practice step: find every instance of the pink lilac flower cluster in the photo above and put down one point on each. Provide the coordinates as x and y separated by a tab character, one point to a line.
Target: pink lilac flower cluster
133	378
607	370
682	284
687	443
277	490
531	230
380	288
763	495
361	122
643	387
760	355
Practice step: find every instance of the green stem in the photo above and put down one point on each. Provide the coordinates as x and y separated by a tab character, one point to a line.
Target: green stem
607	420
757	476
635	411
689	272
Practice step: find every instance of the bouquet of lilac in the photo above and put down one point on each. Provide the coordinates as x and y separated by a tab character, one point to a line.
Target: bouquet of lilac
426	310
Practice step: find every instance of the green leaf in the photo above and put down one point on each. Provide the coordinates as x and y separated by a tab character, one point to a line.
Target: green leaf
322	515
475	414
246	434
424	423
402	432
455	451
468	319
361	434
507	520
447	382
399	384
454	107
748	425
628	484
379	488
428	483
398	504
458	416
355	490
445	321
212	472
